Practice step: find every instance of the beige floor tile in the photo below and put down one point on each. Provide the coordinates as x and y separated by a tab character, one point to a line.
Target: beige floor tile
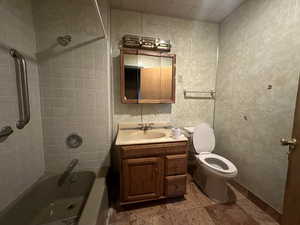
237	193
199	216
148	210
138	220
194	216
180	217
256	213
230	214
199	197
119	216
120	223
163	219
187	202
194	209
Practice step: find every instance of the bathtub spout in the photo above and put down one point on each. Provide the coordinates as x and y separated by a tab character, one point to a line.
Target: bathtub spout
67	172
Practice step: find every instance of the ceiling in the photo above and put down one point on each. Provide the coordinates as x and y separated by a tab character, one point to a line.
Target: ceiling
205	10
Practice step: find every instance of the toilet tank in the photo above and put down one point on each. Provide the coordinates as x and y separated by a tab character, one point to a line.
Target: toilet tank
188	132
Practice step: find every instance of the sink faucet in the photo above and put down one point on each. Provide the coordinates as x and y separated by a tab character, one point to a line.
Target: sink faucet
67	172
145	126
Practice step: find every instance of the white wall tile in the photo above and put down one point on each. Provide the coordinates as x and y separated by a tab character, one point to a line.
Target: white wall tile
21	155
74	82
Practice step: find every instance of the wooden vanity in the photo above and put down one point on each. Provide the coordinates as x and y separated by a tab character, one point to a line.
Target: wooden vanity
152	171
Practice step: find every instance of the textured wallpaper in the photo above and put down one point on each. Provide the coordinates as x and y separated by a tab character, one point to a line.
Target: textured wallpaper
195	45
256	92
21	155
74	81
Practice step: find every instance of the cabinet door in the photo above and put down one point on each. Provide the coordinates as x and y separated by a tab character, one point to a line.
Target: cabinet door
142	179
175	185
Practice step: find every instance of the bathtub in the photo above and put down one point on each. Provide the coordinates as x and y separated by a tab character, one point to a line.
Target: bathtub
80	200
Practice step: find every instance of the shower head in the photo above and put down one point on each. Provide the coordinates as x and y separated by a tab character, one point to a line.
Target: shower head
64	40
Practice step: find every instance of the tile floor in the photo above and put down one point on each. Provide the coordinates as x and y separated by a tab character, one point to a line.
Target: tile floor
194	209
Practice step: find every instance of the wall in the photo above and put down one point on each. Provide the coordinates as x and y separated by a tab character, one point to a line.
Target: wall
195	45
75	82
21	155
258	48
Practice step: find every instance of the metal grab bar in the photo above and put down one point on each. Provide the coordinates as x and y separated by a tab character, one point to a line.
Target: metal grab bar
22	85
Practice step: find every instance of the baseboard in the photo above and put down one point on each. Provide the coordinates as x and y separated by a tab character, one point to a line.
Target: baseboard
257	201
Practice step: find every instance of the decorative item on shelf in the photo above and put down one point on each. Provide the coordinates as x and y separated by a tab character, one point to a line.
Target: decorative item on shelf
163	45
131	41
195	94
150	43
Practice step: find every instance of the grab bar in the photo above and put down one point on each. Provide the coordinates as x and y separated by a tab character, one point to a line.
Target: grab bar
22	85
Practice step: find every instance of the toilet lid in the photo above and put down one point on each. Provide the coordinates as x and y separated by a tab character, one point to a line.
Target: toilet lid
204	138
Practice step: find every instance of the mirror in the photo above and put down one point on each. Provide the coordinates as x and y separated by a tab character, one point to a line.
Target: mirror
147	76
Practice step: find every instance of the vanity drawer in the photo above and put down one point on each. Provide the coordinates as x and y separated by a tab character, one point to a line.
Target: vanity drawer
176	164
175	185
137	151
149	150
177	148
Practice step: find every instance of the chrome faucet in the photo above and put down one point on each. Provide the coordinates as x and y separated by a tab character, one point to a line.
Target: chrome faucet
145	126
67	172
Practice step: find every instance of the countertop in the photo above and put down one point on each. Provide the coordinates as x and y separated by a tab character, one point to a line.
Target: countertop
130	134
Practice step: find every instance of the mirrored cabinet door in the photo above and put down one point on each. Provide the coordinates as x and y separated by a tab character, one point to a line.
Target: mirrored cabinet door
132	74
150	77
147	77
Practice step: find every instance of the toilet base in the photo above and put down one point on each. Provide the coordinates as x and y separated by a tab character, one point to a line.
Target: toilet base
213	186
216	189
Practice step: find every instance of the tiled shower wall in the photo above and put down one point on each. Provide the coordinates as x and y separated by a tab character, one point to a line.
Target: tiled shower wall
21	155
256	91
74	81
195	45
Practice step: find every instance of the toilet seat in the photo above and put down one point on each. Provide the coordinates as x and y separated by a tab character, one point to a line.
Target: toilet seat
217	163
204	143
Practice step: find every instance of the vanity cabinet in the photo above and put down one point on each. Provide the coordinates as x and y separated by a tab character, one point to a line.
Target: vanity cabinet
152	171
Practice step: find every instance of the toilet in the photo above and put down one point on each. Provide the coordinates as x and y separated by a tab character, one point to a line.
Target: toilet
213	171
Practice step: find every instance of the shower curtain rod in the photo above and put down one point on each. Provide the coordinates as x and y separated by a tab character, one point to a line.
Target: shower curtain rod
100	17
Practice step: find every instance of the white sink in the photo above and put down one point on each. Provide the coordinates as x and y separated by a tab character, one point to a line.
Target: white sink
147	134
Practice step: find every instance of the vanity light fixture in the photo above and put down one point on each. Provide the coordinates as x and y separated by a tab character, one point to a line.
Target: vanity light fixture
149	43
